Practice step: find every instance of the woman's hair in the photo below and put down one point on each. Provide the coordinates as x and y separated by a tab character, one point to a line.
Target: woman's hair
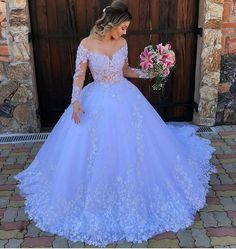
113	15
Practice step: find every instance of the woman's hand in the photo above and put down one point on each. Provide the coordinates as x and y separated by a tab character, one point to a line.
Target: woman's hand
152	75
77	108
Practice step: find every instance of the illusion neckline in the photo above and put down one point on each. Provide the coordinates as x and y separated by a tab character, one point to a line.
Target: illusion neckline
104	55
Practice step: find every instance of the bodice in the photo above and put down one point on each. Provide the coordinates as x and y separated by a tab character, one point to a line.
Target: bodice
105	68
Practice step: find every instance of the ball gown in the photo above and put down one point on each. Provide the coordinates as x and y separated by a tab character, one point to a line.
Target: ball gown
122	173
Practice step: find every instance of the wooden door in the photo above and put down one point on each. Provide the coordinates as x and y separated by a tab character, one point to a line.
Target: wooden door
59	25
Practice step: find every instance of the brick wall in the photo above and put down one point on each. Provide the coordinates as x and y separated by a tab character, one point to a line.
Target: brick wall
229	27
226	108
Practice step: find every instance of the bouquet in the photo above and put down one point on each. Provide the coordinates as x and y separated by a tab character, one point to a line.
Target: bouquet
157	60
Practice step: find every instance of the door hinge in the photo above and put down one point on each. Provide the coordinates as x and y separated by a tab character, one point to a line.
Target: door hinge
199	31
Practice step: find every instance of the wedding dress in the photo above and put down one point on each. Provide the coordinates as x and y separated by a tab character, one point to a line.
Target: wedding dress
122	173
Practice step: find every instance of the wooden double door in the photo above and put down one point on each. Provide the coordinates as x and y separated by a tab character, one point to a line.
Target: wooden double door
59	25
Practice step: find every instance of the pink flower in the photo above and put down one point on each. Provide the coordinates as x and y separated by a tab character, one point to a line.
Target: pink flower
168	59
146	61
159	48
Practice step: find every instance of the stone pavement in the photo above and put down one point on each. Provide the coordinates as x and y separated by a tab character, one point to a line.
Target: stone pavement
214	226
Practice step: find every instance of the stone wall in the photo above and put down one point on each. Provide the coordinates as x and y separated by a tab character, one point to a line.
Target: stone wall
208	61
226	109
18	97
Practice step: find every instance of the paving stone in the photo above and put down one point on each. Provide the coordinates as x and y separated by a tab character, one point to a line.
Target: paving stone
185	238
3	179
164	243
218	128
12	234
228	203
225	179
32	231
211	193
208	219
21	215
38	242
214	179
222	219
60	242
4	201
223	241
29	145
11	160
228	161
227	127
16	204
14	243
124	245
197	224
14	225
201	238
230	167
165	235
44	234
5	193
17	191
218	150
3	243
11	180
4	152
229	193
221	231
210	208
21	159
78	244
144	244
10	171
10	214
111	245
226	149
230	141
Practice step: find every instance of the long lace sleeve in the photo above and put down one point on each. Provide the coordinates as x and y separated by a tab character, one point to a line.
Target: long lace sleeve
132	72
80	71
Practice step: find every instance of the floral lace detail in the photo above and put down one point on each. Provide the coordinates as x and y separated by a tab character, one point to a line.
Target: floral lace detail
76	91
110	69
81	57
119	174
141	74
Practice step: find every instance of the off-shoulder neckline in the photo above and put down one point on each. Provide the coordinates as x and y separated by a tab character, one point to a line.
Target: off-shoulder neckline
109	57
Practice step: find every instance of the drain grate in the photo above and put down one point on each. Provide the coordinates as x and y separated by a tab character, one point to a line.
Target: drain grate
205	129
23	138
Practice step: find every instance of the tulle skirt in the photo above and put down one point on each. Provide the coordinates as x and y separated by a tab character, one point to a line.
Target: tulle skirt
122	173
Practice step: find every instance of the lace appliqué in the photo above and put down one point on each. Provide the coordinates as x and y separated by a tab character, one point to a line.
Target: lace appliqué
141	74
76	92
81	57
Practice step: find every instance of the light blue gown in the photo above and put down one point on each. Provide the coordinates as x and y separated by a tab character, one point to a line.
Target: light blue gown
122	173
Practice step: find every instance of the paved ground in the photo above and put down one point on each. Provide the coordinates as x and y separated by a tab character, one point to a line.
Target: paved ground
214	226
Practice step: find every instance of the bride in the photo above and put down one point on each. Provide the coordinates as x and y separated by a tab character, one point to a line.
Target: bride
111	168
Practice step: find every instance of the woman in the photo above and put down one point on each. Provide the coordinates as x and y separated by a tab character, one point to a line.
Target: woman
111	169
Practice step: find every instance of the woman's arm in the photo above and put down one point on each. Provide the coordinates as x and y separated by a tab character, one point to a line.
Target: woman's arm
80	72
131	72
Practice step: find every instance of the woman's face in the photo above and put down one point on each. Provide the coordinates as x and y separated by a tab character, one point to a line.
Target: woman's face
119	30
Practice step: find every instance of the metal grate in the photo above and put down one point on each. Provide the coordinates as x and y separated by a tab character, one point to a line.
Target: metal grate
205	129
23	138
